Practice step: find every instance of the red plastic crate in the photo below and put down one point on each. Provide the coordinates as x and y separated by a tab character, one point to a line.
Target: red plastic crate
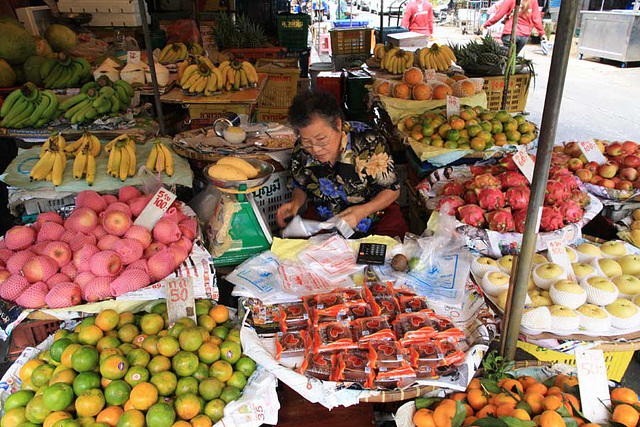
330	81
30	334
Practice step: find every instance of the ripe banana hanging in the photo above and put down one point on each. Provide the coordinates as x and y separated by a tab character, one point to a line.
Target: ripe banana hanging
160	158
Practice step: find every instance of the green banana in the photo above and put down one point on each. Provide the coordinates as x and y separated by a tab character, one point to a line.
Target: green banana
70	102
126	86
64	80
30	91
20	105
104	107
23	115
115	104
86	67
53	105
87	86
92	114
42	105
46	68
122	95
79	116
73	110
43	121
99	101
54	75
107	91
10	101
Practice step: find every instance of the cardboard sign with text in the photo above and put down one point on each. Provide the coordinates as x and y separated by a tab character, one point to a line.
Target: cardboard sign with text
593	384
592	152
155	209
524	162
558	255
180	300
453	106
133	56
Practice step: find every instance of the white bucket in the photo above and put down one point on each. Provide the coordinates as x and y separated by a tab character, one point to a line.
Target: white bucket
316	68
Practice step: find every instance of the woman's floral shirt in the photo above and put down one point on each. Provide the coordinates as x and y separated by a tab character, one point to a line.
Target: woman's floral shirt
363	169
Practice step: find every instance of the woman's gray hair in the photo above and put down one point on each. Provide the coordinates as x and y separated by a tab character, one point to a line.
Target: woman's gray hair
310	104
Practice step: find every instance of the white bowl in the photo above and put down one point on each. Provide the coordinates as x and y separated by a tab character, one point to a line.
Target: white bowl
235	137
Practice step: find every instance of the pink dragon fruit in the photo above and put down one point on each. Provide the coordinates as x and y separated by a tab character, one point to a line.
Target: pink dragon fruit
571	211
508	163
519	218
491	198
453	189
471	198
472	215
571	181
478	170
557	171
560	159
556	193
501	220
486	180
518	197
513	179
580	197
551	219
449	205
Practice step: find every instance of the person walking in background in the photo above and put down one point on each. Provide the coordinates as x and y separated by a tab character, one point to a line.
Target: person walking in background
418	17
529	16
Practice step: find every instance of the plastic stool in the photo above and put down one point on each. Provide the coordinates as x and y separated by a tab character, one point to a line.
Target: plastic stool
325	44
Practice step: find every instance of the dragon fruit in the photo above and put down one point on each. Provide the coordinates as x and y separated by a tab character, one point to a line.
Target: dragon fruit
471	215
556	193
508	163
478	170
571	181
490	198
471	198
453	189
518	197
513	179
571	211
557	171
580	197
486	180
560	159
551	219
519	218
501	220
449	205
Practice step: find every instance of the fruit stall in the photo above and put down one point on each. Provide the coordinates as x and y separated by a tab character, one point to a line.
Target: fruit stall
146	277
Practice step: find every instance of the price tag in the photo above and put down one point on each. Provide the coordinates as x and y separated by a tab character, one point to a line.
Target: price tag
524	163
180	300
133	56
154	210
453	106
592	381
430	74
592	152
558	255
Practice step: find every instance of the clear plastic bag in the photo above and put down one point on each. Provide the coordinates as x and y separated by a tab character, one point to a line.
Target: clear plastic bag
303	228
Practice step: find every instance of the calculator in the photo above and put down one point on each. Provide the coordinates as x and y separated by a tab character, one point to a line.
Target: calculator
371	253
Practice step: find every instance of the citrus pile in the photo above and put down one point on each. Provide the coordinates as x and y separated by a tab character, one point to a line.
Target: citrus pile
521	402
126	370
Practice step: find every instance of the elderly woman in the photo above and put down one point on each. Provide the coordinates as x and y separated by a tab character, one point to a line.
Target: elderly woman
341	168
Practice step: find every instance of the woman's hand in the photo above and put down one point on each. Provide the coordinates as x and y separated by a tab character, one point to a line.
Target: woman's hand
352	215
286	211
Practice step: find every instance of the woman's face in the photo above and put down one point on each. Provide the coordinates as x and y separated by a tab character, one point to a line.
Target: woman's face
322	140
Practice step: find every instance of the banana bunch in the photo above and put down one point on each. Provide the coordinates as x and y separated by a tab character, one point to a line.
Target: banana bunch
94	101
396	61
52	162
437	57
160	158
88	141
196	49
28	107
173	53
379	50
202	77
238	74
122	157
64	71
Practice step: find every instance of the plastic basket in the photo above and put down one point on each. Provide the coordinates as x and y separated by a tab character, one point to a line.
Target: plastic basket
293	30
30	334
257	53
282	82
273	194
382	38
516	95
347	61
347	23
351	41
616	362
277	115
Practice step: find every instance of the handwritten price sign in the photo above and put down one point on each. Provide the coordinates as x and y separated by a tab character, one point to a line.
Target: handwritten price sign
453	106
592	152
156	207
558	255
180	299
430	74
524	163
594	389
133	56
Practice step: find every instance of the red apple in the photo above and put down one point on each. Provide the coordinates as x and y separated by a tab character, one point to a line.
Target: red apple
596	180
607	183
636	185
629	147
575	164
631	161
608	170
616	179
629	174
572	149
583	159
116	222
584	175
114	264
624	185
614	149
592	166
60	252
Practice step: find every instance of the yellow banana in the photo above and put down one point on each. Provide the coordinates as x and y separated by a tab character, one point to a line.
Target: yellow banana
49	176
168	159
61	142
111	143
230	79
95	148
191	81
71	148
80	164
117	158
91	169
160	160
58	168
243	78
188	72
123	173
45	146
219	80
41	168
151	160
131	150
252	75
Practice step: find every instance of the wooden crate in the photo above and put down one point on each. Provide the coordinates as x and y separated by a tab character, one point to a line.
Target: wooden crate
282	84
516	95
211	112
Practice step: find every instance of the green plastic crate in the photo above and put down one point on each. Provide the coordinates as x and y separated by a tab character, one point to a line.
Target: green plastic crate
293	30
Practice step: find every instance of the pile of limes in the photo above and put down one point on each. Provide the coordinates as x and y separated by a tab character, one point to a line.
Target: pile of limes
132	370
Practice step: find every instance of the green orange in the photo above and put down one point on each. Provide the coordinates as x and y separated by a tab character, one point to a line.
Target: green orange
159	364
136	375
210	388
41	375
138	357
37	410
202	372
215	409
185	363
90	403
237	380
107	342
151	323
90	335
58	347
85	358
58	397
209	352
187	385
128	332
117	393
190	339
85	381
114	367
230	351
230	393
166	382
221	370
246	365
131	418
160	415
168	346
18	399
188	406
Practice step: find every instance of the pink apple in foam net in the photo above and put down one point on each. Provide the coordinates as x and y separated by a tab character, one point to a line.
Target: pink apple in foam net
39	269
153	249
116	223
20	237
82	220
106	263
4	275
106	242
39	247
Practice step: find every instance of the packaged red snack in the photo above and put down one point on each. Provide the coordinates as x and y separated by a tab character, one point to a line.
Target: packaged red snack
386	355
333	336
358	310
426	353
452	334
293	317
333	313
328	300
350	294
431	371
376	328
395	378
353	367
319	365
290	343
412	327
385	306
441	323
309	302
413	304
453	351
379	290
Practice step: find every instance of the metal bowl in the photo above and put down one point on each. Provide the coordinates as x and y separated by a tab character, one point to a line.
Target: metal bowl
73	18
265	170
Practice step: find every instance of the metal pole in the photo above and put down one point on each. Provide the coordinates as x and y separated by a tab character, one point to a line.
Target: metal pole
152	65
382	38
511	55
553	99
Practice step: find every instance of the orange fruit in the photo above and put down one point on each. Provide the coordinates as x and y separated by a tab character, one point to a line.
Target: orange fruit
90	334
219	313
626	415
552	403
469	420
554	390
54	417
128	405
474	384
65	358
132	418
458	396
107	320
563	381
488	410
190	339
168	346
512	385
572	400
188	406
423	418
537	388
477	399
201	421
527	381
551	419
125	318
27	368
89	403
181	423
114	367
150	345
505	410
143	396
110	415
623	394
580	421
502	398
469	409
535	401
108	342
139	339
151	323
444	413
521	414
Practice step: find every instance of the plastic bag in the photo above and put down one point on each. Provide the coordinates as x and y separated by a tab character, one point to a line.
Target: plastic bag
303	228
205	202
219	225
183	31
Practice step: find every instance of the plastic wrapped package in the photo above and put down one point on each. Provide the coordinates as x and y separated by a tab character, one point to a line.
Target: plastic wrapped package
370	329
426	353
453	351
350	294
219	225
320	366
414	327
379	290
395	378
335	313
333	336
385	306
386	355
292	317
357	310
413	304
292	343
353	367
329	300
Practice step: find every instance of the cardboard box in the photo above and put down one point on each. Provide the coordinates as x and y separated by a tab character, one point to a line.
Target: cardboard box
409	39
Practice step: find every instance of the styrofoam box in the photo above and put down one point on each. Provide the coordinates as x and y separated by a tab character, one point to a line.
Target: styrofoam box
93	6
117	20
